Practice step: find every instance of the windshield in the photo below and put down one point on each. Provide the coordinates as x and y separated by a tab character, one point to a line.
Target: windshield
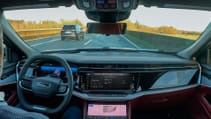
63	28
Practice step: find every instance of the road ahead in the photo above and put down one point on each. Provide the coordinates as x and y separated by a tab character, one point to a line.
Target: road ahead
90	41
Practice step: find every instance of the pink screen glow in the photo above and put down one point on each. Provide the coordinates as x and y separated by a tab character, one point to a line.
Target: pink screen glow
106	110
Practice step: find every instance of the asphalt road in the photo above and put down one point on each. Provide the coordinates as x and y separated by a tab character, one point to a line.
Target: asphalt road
90	41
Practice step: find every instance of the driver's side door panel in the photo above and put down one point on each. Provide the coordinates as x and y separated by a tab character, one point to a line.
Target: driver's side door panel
200	107
8	84
8	77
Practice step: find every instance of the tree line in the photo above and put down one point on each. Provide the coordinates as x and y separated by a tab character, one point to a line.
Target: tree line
45	24
161	30
134	26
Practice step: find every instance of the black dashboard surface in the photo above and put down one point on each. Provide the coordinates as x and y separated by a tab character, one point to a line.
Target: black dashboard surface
150	73
123	58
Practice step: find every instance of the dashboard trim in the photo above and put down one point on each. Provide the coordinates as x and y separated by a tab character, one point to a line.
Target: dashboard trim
128	97
151	68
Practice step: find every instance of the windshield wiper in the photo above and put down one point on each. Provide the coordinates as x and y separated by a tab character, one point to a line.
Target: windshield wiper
100	49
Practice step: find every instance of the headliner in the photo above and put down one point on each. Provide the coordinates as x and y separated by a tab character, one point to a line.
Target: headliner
180	4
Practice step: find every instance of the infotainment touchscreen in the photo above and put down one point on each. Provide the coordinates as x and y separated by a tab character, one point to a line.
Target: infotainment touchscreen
103	111
107	81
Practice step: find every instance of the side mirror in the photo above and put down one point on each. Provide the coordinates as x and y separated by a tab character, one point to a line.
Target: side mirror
107	28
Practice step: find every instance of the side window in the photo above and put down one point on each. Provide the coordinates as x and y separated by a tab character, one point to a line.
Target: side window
9	61
205	56
209	55
10	55
205	61
5	57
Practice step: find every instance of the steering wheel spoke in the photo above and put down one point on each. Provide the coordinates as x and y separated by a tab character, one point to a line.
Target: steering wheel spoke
64	91
64	84
26	84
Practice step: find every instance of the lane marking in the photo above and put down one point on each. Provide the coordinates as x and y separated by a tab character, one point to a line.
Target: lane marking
45	42
133	44
86	43
40	38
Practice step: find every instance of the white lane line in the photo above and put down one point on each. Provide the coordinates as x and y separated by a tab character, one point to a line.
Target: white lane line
40	38
86	43
44	42
136	46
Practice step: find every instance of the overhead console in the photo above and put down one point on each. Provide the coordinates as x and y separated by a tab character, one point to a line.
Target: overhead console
107	11
107	5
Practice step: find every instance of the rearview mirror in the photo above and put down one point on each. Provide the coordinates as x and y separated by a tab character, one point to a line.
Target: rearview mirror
107	28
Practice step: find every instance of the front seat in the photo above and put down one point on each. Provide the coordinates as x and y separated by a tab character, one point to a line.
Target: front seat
9	112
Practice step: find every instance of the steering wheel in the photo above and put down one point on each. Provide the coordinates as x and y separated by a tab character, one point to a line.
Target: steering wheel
47	87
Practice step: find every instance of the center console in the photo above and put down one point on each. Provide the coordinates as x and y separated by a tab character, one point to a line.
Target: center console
109	82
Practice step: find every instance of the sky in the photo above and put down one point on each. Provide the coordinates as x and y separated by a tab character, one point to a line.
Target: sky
190	20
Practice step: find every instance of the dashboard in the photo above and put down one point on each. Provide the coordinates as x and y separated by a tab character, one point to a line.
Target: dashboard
100	77
108	82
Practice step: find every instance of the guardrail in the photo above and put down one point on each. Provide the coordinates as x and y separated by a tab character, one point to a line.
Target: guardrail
27	34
